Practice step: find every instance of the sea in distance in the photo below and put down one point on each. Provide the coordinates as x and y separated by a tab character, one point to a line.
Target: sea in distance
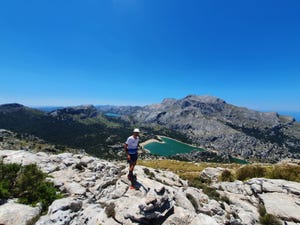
296	115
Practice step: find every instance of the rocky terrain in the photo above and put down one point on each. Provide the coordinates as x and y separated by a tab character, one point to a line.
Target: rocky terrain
213	124
96	192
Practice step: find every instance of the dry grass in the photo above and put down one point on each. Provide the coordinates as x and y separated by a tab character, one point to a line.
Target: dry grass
279	171
186	170
190	170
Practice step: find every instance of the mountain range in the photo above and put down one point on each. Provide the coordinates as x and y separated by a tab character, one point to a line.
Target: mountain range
205	121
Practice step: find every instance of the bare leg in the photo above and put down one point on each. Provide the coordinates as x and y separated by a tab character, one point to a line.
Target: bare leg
131	167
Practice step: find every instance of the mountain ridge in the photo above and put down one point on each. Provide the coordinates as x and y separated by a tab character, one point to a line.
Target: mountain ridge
206	121
214	124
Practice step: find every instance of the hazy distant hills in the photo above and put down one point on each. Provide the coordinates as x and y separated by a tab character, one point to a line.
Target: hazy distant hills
206	121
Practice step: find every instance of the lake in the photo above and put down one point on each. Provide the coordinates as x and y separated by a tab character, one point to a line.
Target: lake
169	147
112	115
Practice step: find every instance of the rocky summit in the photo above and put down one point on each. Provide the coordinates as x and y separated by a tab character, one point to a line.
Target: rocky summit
97	192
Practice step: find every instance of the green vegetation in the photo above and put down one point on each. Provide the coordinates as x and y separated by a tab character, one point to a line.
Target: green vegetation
94	134
261	210
110	210
209	191
280	171
150	174
27	183
186	170
250	171
226	175
286	172
192	199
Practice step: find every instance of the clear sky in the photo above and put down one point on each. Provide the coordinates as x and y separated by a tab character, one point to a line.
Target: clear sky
138	52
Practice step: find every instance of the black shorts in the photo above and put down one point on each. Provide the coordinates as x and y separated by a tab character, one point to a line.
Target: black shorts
133	158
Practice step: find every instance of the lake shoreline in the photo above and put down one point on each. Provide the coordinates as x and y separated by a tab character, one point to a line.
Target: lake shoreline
143	144
180	141
160	139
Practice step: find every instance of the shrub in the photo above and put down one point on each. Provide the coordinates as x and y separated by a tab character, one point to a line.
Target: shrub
149	173
28	183
261	210
269	219
209	191
265	218
4	193
8	174
286	172
79	166
226	175
146	171
225	199
110	210
250	171
193	201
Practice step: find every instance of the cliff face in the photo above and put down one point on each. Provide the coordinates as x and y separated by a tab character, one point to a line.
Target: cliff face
96	192
213	124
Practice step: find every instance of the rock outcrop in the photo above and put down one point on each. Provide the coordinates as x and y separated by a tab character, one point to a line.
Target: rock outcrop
97	192
13	213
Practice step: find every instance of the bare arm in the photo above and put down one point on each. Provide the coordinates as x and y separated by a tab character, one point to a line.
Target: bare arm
126	150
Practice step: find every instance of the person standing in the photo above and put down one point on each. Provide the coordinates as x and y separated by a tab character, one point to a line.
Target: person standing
131	150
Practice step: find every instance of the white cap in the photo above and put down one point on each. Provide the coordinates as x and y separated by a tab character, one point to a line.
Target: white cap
136	130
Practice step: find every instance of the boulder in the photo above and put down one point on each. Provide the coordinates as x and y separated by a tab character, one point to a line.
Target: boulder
203	220
57	218
162	198
92	214
74	188
12	213
85	160
20	157
211	173
283	206
65	204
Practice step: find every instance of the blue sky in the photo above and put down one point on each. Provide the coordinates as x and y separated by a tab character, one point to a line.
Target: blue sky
137	52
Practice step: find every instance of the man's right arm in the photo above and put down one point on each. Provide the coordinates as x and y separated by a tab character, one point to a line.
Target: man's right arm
126	151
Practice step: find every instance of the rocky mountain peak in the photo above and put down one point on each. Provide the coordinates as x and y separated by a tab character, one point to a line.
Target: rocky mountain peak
203	99
82	110
169	101
211	123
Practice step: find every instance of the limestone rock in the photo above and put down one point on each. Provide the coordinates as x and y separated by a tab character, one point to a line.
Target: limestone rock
75	189
100	194
284	206
211	173
17	214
